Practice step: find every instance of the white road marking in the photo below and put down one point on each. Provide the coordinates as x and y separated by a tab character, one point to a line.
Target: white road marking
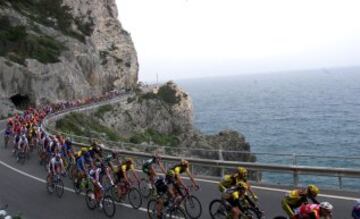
200	180
66	188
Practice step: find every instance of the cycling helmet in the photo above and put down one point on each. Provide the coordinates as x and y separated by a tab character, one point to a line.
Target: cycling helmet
327	206
313	190
184	162
129	160
242	185
84	149
57	157
242	171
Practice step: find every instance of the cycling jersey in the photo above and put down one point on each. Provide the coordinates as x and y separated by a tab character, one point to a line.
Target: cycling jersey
176	170
55	164
95	174
8	132
227	182
310	211
80	163
294	199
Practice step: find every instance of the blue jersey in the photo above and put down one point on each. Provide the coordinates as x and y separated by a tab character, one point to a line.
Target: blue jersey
80	163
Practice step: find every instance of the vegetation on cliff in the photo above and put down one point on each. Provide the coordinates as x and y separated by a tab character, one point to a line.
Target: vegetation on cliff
83	125
54	14
17	44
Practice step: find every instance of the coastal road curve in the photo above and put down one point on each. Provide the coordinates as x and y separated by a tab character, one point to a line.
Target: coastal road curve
23	188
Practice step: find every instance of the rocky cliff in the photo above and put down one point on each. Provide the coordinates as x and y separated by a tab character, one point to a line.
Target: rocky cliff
62	49
160	116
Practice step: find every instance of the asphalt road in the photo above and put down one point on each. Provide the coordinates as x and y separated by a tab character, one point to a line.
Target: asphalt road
23	188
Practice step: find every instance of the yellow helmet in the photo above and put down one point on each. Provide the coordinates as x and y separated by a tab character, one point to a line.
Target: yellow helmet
84	149
129	160
242	185
313	190
184	162
242	171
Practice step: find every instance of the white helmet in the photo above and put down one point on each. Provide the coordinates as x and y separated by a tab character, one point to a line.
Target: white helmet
326	205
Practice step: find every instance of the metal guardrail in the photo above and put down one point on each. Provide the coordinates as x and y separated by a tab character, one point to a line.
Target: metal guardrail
215	168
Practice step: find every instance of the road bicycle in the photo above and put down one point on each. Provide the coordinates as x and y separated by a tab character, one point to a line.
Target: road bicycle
132	193
221	209
105	201
56	185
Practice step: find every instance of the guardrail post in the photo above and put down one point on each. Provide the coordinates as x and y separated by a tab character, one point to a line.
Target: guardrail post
222	173
296	178
340	182
294	160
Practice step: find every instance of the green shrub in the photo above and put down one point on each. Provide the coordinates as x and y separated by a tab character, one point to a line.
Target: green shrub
168	95
102	110
82	124
55	14
156	137
17	45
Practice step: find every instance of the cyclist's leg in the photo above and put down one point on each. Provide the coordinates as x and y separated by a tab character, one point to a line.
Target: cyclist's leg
235	208
287	208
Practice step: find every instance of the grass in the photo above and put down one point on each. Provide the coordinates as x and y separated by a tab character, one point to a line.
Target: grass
17	44
84	125
156	137
102	110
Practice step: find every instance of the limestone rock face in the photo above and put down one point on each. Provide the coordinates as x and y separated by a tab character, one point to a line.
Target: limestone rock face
167	110
77	50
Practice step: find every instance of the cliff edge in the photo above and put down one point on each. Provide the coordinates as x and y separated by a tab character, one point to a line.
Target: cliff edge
53	50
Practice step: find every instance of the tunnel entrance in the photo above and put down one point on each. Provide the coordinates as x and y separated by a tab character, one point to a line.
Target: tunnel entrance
21	101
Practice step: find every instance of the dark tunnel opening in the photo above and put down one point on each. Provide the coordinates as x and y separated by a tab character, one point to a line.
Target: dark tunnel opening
21	101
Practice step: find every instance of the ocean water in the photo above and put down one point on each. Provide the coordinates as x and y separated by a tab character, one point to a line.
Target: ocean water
310	112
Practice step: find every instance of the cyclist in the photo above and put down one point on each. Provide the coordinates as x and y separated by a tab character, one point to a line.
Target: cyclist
7	135
122	173
356	210
22	145
149	169
233	195
314	211
56	166
297	197
94	174
81	167
174	181
106	170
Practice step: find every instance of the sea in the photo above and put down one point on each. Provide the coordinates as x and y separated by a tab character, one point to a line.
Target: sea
305	117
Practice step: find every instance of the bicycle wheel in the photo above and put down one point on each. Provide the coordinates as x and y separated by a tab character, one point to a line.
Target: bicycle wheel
109	206
144	188
250	214
77	189
90	199
218	210
176	213
134	197
115	194
193	207
151	209
59	188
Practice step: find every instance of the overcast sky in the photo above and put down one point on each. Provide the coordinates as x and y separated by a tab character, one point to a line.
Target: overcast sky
200	38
